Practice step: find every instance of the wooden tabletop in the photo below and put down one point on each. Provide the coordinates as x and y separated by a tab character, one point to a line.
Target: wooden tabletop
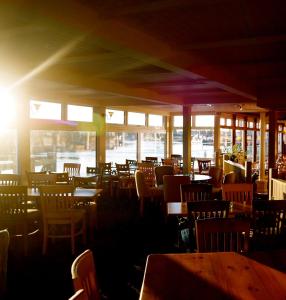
197	177
181	209
220	275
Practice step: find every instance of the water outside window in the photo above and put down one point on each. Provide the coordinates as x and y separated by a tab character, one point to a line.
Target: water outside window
153	144
51	149
121	145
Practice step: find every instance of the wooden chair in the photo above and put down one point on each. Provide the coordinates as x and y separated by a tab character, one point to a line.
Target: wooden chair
149	172
238	193
10	179
218	234
61	177
38	179
153	159
4	245
61	218
15	215
229	178
269	223
195	192
171	186
146	192
90	182
172	162
216	174
126	182
92	170
73	169
79	295
204	166
108	179
132	165
160	171
84	276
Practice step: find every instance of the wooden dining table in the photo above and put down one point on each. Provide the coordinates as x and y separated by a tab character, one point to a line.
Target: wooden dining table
219	275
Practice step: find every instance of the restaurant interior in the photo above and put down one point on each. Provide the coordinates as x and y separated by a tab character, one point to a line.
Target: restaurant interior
131	133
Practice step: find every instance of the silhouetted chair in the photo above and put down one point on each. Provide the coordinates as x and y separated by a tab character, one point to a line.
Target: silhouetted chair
92	170
216	175
171	186
79	295
218	234
149	171
238	193
84	276
61	218
195	192
229	178
160	171
10	179
126	182
61	177
204	166
36	180
4	245
146	193
73	169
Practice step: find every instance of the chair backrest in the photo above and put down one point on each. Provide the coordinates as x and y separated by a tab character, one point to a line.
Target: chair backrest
9	179
105	168
219	234
90	182
269	217
240	193
149	172
131	162
92	170
56	198
208	209
36	180
229	177
216	174
4	244
73	169
177	156
204	165
160	171
195	192
171	188
61	177
122	170
79	295
142	188
83	274
151	158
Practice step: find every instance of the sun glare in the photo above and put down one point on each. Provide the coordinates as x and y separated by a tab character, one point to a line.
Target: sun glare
7	108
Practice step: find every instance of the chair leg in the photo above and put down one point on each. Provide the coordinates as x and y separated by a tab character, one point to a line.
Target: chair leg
45	239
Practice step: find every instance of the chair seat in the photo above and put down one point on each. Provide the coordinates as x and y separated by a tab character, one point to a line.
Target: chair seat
65	216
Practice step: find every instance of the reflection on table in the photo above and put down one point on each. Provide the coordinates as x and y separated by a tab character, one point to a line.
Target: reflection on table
220	275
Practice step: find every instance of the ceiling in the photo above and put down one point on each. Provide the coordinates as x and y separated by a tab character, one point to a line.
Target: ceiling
226	55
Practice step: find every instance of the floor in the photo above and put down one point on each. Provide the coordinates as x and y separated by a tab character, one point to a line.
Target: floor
121	244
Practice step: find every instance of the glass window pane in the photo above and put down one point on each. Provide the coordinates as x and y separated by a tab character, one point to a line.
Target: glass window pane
202	143
136	118
239	138
177	147
228	122
225	139
114	116
222	121
80	113
250	145
204	121
45	110
121	146
178	121
156	120
51	149
153	144
250	124
8	151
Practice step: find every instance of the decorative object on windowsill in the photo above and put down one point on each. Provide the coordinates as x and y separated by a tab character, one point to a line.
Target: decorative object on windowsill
236	154
281	166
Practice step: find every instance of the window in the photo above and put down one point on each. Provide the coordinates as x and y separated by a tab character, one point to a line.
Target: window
155	120
202	143
178	121
153	144
51	149
239	138
45	110
114	116
8	151
222	121
80	113
121	145
204	121
177	141
136	118
228	122
250	144
225	139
